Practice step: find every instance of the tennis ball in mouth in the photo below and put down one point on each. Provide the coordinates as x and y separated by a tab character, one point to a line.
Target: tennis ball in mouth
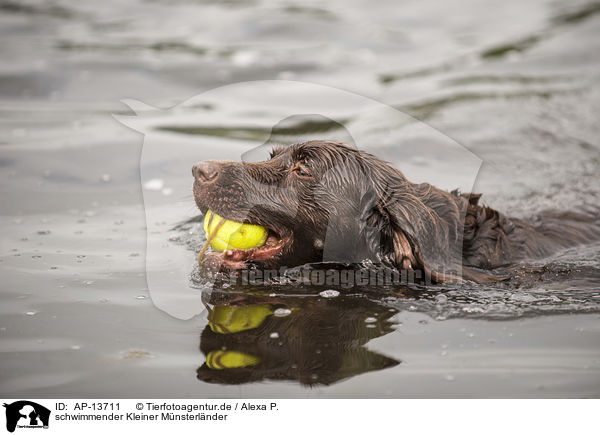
232	235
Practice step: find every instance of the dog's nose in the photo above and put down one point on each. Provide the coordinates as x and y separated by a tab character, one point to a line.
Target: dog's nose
205	171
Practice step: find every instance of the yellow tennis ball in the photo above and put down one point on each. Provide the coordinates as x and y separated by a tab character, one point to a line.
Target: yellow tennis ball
233	235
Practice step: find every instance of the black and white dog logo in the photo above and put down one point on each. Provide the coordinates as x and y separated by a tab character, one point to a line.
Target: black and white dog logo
26	414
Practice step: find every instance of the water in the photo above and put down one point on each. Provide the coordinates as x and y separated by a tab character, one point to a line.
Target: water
516	84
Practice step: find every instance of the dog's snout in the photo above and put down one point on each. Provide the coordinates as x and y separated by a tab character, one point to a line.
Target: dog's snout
205	171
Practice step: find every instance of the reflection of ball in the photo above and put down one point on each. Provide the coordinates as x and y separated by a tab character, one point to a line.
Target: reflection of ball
227	319
230	359
233	235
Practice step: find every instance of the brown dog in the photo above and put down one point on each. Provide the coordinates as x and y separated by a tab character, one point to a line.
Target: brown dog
325	201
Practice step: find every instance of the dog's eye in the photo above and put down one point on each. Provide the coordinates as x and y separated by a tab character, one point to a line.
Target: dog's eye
301	171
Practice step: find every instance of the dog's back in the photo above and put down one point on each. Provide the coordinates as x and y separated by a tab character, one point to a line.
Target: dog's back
492	239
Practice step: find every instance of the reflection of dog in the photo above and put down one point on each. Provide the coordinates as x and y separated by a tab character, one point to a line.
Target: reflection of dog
325	201
307	340
25	413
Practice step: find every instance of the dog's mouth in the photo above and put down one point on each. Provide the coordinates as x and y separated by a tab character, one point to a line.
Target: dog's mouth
240	258
250	248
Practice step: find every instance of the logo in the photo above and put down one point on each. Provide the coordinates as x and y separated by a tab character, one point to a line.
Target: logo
26	414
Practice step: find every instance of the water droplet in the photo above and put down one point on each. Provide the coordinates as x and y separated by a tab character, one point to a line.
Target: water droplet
141	297
282	312
31	313
274	335
244	58
330	293
370	320
154	184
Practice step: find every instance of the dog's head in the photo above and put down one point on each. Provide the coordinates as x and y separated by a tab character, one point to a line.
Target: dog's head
326	201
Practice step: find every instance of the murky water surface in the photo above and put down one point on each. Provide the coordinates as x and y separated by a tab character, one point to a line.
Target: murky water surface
517	84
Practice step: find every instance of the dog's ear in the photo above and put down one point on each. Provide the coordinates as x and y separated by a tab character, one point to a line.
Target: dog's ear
416	226
408	256
403	223
426	227
384	239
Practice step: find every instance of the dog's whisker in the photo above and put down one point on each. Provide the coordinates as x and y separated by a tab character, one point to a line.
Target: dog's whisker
209	237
